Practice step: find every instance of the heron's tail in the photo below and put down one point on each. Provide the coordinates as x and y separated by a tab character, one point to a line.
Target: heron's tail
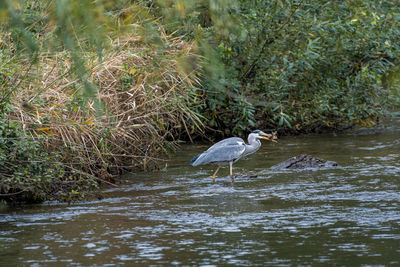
193	160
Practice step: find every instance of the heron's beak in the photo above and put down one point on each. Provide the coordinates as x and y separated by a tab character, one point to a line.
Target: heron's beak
270	137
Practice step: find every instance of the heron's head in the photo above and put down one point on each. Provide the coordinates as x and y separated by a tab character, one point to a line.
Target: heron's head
261	135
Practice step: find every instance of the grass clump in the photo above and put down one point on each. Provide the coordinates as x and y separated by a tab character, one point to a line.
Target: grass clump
144	108
123	111
30	172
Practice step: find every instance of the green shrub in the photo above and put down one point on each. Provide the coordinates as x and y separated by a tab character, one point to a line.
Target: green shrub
295	65
29	173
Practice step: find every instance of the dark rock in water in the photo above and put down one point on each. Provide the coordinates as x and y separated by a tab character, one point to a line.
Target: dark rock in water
304	161
245	176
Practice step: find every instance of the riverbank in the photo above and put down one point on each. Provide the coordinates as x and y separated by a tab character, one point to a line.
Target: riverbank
88	95
59	144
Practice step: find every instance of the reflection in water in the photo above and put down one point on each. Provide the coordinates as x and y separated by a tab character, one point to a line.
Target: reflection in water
348	215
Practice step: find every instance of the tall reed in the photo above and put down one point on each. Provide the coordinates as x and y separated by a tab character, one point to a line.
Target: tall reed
142	105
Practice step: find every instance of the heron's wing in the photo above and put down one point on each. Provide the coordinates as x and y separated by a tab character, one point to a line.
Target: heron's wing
232	141
226	150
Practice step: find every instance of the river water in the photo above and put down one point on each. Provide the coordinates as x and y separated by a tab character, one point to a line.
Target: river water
348	215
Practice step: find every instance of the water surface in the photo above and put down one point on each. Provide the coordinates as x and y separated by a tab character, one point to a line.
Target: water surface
344	216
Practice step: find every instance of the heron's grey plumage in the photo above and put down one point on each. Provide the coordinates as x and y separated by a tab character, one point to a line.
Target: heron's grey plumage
231	150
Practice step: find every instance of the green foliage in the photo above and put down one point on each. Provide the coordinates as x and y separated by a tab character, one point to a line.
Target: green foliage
21	167
29	173
391	80
75	26
299	65
6	76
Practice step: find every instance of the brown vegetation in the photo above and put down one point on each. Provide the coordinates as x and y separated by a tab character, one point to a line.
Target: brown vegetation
142	102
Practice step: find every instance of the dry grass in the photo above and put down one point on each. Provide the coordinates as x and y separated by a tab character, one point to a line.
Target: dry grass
145	102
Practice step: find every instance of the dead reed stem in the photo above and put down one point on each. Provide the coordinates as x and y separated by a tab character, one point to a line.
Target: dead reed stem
144	100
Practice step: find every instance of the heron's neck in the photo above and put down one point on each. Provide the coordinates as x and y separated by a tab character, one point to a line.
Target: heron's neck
253	146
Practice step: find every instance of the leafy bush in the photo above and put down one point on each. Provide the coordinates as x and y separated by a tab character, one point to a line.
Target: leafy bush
29	173
295	65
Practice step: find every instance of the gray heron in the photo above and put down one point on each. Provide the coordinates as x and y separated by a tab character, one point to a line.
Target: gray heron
230	150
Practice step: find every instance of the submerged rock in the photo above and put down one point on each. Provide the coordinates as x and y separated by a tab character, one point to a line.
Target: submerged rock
304	161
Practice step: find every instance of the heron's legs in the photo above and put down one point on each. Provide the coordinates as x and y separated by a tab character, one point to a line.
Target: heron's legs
230	170
215	173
